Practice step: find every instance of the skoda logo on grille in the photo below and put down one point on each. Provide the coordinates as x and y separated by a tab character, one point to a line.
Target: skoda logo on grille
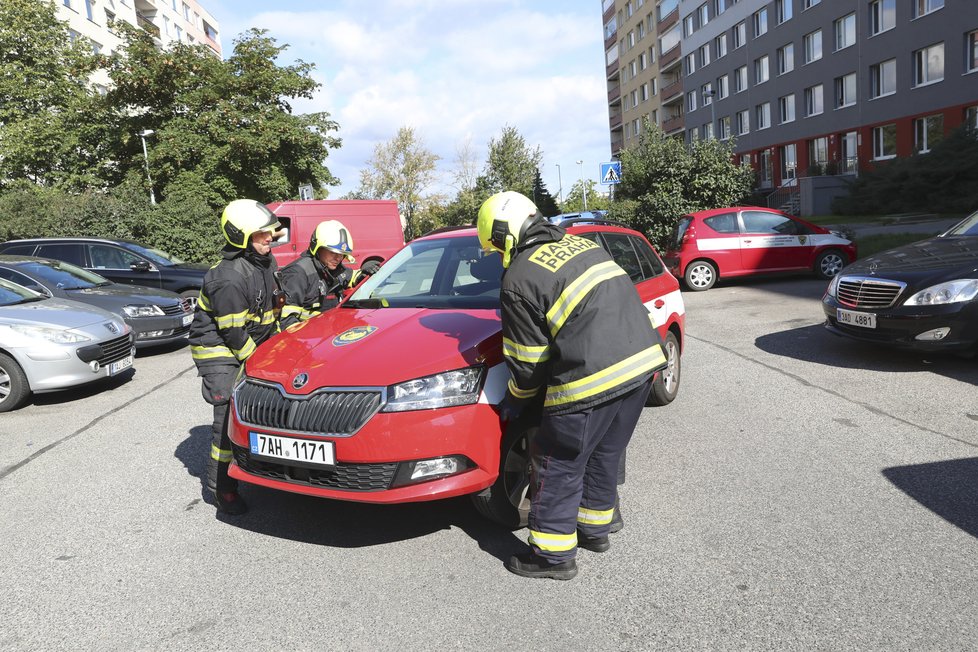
112	327
300	381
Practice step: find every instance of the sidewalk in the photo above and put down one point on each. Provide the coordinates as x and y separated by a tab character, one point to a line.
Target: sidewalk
926	224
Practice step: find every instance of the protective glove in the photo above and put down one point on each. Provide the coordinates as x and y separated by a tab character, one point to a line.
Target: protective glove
510	408
370	267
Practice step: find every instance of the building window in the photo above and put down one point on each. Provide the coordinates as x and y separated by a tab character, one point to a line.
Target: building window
631	39
739	35
691	101
814	101
634	95
689	25
924	7
743	122
654	86
761	70
723	87
725	127
882	16
789	161
845	90
882	78
110	21
845	31
632	69
927	132
611	27
88	10
928	65
166	25
186	12
760	22
786	58
705	54
972	51
67	3
740	79
690	64
720	6
642	61
179	31
808	4
720	43
641	31
849	152
971	117
786	108
703	14
884	141
708	130
645	92
784	10
669	40
762	115
706	90
813	46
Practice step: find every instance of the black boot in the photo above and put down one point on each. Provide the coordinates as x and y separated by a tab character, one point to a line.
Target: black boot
230	503
594	544
531	565
616	523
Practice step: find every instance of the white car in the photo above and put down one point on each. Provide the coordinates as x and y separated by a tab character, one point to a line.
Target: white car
49	344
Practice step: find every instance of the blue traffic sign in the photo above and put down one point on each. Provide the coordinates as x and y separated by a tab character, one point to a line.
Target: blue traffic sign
611	172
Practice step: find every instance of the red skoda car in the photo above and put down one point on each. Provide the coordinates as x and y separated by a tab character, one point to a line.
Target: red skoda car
730	242
391	397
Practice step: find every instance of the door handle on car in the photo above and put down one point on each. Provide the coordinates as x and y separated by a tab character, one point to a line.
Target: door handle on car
659	303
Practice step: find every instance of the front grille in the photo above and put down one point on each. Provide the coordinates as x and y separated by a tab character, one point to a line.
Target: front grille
325	412
115	350
176	309
347	477
869	293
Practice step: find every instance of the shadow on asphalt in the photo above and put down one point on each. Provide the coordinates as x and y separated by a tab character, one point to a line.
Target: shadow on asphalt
949	489
83	392
341	524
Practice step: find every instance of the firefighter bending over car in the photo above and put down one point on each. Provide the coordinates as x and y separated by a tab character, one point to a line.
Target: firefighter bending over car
315	281
236	312
575	329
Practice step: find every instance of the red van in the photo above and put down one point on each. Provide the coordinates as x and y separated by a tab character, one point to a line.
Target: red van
374	224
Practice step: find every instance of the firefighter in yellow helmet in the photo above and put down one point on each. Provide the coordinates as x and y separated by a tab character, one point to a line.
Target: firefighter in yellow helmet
314	282
576	334
235	313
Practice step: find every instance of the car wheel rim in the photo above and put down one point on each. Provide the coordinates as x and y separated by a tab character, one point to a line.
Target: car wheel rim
700	276
831	265
516	476
669	374
4	385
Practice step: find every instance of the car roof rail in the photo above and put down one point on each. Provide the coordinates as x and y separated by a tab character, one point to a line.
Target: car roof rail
590	220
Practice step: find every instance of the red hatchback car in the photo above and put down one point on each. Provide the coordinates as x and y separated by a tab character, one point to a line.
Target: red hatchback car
742	241
392	396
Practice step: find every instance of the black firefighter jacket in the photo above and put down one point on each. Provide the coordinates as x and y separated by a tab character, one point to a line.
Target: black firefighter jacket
573	323
310	288
235	311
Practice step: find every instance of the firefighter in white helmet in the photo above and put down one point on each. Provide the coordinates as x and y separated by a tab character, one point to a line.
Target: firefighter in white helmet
577	336
315	281
235	313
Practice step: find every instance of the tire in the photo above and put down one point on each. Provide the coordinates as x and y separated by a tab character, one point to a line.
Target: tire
192	295
14	388
665	388
507	501
700	275
829	263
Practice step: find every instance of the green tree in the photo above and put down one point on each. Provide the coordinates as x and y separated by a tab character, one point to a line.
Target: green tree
401	169
663	179
542	197
511	165
574	201
45	104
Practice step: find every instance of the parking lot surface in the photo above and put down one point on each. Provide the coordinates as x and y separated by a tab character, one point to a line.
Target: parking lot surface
802	492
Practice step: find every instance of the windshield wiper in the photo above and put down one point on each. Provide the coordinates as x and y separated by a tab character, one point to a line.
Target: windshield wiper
365	303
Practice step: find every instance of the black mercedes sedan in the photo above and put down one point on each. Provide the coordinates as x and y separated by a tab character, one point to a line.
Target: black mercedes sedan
155	316
921	296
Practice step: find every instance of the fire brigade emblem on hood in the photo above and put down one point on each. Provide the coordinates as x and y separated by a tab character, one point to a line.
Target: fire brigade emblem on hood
300	381
352	335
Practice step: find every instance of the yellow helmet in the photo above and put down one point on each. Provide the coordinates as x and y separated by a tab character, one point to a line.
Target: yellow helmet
503	220
244	217
332	236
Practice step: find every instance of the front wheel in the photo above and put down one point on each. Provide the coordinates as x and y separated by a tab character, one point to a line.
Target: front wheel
665	388
700	275
507	501
14	388
829	263
191	296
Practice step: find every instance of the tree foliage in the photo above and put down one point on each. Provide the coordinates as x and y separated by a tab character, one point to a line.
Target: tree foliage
511	164
542	197
574	201
663	179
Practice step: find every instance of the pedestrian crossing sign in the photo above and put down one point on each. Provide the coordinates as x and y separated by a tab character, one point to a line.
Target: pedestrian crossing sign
611	172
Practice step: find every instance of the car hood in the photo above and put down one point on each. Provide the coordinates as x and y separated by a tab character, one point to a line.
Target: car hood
61	313
120	295
922	263
352	347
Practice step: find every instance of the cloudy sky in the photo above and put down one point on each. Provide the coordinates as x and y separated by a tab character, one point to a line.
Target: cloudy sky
452	69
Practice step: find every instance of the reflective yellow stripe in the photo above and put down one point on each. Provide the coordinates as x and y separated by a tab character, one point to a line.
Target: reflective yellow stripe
521	393
288	311
220	454
642	362
202	302
210	352
246	350
595	516
234	320
267	318
532	354
552	542
574	293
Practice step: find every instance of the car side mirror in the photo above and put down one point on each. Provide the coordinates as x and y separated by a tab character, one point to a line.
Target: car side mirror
140	266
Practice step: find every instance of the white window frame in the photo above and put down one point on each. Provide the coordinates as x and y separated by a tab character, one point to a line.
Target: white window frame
971	51
786	63
921	8
726	129
878	12
921	65
762	64
689	25
879	142
786	108
690	61
921	139
877	78
759	21
842	91
762	116
720	43
814	100
740	79
704	52
808	4
813	46
784	10
740	35
691	101
743	122
703	14
840	28
723	87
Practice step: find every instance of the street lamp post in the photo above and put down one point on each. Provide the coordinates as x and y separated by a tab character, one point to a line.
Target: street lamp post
583	187
713	113
560	187
142	136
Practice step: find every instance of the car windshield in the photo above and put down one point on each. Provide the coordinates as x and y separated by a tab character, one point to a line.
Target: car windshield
11	294
442	273
63	276
156	255
969	226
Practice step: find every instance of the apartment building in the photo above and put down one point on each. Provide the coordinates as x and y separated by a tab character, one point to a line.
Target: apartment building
168	21
809	87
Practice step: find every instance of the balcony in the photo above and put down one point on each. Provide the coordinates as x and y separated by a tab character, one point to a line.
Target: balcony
147	25
614	94
671	92
670	59
673	125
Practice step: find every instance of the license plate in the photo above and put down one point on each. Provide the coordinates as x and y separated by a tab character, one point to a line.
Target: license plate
120	365
853	318
188	318
304	452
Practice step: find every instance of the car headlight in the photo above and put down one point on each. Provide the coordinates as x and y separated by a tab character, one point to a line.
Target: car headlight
833	288
458	387
964	289
143	311
50	334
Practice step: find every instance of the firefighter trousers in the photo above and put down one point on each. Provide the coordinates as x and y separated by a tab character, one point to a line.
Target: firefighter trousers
216	381
575	463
